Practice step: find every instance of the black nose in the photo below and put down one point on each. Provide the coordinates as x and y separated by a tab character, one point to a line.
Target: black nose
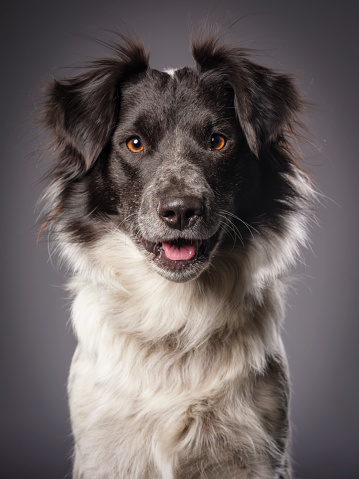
180	212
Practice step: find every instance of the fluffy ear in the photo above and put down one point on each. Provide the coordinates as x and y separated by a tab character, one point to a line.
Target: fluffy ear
266	102
82	111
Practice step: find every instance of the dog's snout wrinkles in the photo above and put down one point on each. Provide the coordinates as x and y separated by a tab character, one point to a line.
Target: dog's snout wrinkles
180	212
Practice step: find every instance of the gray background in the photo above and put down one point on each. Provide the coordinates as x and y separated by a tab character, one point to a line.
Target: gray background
317	40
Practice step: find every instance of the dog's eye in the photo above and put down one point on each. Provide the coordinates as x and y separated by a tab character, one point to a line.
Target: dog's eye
217	142
134	144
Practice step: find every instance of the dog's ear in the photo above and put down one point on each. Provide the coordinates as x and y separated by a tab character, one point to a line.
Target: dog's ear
266	102
82	111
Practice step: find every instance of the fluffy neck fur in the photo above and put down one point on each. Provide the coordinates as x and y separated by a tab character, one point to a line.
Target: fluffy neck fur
143	313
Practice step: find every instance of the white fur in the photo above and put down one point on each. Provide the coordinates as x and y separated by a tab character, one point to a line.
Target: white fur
170	71
136	390
148	363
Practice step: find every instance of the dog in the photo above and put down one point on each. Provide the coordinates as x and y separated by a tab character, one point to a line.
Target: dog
178	202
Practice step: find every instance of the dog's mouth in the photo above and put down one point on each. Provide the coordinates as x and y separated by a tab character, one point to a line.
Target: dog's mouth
176	254
179	255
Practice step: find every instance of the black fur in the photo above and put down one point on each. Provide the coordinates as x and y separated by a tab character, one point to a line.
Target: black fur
92	115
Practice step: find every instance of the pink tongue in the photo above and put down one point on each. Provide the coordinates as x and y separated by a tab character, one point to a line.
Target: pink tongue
179	251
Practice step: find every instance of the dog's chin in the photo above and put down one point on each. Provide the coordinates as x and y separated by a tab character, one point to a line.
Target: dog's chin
179	260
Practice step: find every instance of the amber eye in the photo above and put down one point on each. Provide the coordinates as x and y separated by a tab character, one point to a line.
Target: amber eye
217	142
134	144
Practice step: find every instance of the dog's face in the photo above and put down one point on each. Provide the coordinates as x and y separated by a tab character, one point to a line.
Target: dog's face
172	159
176	165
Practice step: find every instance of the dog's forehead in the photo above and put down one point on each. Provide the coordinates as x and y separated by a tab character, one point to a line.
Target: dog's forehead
173	91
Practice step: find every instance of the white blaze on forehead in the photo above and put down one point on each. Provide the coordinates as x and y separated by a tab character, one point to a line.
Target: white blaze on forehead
170	71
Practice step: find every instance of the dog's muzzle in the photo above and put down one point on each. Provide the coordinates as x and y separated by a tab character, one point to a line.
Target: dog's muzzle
182	257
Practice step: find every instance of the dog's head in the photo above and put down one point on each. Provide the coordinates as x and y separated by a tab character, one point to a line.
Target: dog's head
187	163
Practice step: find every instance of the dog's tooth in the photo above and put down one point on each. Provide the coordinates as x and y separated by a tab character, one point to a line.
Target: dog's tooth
157	249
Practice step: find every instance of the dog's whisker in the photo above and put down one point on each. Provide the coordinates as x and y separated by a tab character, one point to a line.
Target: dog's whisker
248	226
126	219
232	227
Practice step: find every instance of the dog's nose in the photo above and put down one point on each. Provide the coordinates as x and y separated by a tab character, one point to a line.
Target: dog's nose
180	212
